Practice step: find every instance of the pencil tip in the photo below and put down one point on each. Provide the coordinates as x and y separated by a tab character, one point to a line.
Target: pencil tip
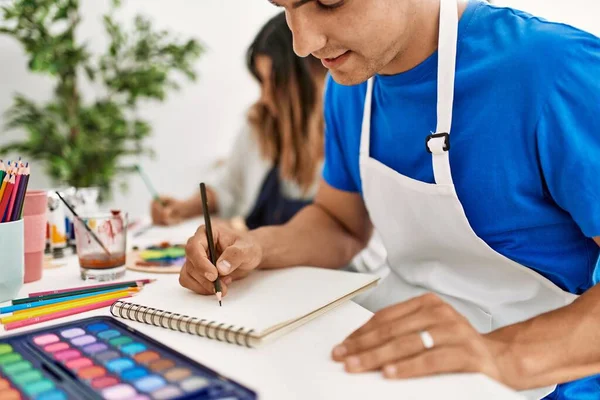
220	305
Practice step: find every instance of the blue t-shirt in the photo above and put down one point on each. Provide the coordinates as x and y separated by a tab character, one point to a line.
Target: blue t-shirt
525	140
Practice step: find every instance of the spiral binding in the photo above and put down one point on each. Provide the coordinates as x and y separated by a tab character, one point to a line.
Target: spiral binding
182	323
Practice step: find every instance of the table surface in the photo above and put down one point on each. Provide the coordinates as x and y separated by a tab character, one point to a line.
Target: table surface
296	366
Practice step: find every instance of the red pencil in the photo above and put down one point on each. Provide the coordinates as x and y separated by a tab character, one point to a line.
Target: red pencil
59	291
60	314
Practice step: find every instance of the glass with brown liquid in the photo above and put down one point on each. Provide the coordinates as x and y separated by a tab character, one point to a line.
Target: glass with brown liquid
101	247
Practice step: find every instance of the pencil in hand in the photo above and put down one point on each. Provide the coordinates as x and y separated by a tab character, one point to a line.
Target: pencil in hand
209	237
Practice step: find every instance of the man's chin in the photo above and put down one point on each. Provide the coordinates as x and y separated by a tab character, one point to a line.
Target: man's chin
349	78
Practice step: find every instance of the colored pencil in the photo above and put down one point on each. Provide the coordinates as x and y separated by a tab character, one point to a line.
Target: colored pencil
209	238
3	186
60	314
6	198
24	194
103	285
148	184
36	312
34	304
93	298
94	291
2	170
18	211
91	232
13	196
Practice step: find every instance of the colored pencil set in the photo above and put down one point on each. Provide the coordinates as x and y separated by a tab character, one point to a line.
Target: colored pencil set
47	306
14	178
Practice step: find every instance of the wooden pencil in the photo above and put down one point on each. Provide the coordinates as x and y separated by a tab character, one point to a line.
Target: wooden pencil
26	300
38	311
6	198
209	237
102	285
60	314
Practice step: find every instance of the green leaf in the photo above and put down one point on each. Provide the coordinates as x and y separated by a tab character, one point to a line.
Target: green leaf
90	72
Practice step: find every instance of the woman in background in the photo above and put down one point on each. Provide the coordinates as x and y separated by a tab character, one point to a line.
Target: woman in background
275	165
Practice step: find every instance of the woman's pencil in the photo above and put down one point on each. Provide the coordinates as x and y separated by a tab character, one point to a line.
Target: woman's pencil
209	238
60	314
104	285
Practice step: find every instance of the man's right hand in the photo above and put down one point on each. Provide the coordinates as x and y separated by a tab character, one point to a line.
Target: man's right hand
168	211
238	254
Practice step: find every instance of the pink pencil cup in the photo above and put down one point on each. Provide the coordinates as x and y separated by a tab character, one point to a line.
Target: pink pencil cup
34	215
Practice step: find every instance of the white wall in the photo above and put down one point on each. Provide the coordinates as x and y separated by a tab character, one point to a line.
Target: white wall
193	127
196	126
583	14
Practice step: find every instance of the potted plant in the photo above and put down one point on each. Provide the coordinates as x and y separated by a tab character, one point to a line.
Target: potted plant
85	143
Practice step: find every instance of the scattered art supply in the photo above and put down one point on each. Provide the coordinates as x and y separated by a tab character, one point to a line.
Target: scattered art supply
139	282
14	179
57	227
66	305
102	358
84	224
53	299
101	246
59	314
163	258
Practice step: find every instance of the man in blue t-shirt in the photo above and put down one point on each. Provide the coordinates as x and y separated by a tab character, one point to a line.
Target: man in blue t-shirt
468	136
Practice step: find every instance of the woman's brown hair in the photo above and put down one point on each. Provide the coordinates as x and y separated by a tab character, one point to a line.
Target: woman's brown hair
293	139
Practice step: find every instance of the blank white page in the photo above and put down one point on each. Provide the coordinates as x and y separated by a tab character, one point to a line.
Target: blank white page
262	300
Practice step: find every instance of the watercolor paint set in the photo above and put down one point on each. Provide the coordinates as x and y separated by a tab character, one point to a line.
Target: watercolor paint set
102	358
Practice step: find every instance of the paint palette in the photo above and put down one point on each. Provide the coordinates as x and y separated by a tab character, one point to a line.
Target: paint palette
102	358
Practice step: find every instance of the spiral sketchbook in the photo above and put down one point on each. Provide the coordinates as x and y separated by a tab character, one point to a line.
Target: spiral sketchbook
256	310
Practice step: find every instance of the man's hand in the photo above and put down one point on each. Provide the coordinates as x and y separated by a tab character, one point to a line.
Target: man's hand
238	254
391	341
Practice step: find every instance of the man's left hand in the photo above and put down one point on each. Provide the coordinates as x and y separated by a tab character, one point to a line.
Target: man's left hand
394	340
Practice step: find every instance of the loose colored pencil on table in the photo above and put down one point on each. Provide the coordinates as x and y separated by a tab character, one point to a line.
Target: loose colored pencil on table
92	291
65	305
37	311
41	303
59	314
103	285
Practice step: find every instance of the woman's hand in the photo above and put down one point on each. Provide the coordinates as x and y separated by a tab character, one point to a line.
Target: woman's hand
168	211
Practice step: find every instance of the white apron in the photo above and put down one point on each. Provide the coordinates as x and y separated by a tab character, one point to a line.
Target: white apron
430	244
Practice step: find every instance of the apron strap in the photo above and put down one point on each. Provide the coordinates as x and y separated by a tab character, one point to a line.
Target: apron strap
438	144
365	136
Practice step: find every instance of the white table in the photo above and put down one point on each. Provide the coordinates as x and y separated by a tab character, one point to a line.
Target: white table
298	365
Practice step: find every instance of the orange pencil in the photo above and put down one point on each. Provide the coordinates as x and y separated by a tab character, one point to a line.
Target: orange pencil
6	198
4	183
